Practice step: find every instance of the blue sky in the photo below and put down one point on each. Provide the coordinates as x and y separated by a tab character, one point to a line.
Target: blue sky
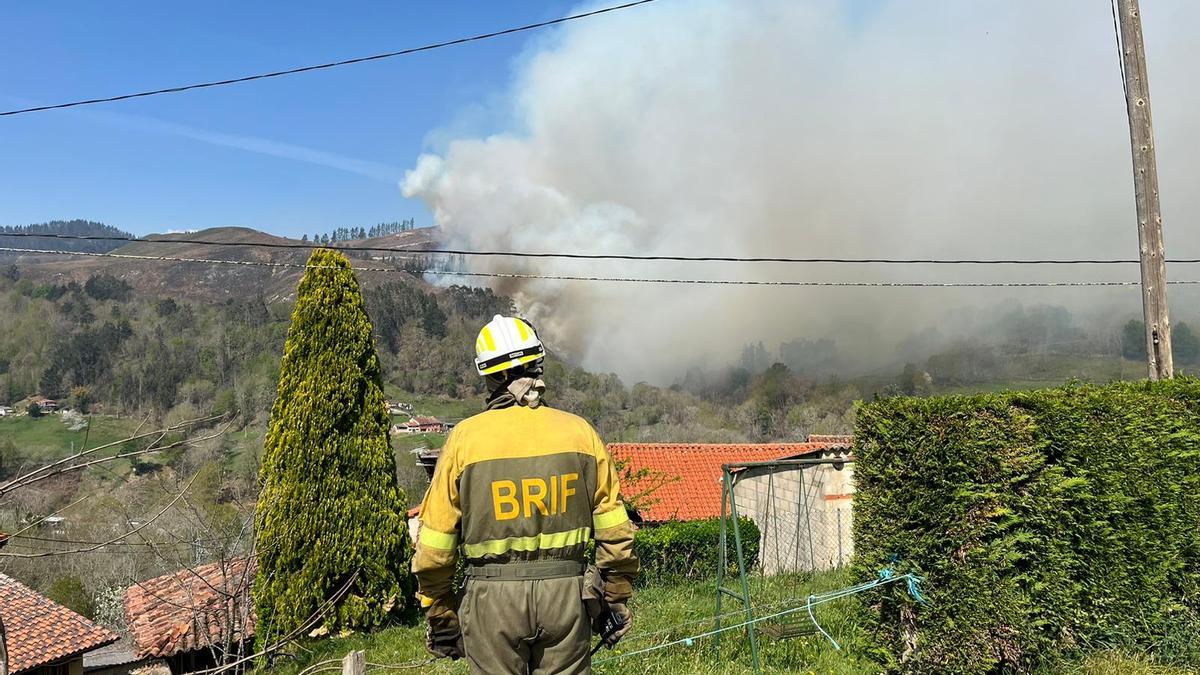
292	155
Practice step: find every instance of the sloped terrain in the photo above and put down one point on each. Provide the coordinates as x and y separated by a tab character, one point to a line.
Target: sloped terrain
206	281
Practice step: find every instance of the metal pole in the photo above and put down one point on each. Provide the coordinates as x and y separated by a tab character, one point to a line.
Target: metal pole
799	509
774	519
812	564
737	539
839	516
1145	184
723	559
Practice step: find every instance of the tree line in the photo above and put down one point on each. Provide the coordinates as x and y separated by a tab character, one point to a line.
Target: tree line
75	228
352	233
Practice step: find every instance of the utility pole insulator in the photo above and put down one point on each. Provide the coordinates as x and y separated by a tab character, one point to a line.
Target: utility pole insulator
1145	183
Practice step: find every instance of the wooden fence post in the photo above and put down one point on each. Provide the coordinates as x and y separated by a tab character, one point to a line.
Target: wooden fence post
355	663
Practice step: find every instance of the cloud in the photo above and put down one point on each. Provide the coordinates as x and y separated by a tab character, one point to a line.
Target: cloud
772	127
263	146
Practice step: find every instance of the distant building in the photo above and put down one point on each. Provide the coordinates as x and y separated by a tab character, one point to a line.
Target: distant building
43	637
421	425
400	408
182	618
53	523
5	411
47	405
427	459
414	524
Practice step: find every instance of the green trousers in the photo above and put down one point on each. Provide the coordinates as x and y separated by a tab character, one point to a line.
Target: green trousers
526	627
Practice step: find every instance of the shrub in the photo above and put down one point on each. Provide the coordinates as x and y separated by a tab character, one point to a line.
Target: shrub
691	549
330	512
69	592
1045	523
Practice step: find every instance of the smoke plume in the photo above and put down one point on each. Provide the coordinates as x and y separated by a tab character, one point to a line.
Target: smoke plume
896	128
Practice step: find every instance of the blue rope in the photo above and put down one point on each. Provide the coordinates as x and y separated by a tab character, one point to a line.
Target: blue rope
818	625
886	576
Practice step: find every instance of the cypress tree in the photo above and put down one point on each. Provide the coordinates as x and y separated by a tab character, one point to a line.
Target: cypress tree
330	508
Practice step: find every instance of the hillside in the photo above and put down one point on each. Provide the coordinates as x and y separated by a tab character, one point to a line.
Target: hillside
84	228
206	282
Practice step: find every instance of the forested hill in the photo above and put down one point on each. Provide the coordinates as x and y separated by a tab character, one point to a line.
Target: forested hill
173	265
166	337
70	227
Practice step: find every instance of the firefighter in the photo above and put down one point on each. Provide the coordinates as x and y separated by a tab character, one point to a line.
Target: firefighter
520	489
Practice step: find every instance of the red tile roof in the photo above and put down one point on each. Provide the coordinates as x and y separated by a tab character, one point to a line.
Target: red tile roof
41	631
192	609
840	440
688	476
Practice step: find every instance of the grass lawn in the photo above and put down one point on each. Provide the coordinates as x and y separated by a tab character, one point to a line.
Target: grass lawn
666	613
47	437
441	407
406	443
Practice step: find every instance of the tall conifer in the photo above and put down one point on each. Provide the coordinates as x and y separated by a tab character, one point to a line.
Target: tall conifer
330	508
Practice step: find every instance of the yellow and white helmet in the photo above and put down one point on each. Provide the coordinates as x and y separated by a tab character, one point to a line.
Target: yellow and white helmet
506	342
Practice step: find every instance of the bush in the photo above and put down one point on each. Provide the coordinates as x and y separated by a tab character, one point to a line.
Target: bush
691	549
69	592
1046	523
330	513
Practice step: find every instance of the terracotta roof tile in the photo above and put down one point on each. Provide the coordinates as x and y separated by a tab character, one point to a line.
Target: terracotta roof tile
690	474
41	631
192	609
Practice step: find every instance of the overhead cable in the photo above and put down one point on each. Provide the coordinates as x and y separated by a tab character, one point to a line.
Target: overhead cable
615	279
597	256
331	64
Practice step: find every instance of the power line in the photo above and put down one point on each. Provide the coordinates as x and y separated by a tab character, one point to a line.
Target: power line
600	256
332	64
615	279
1120	50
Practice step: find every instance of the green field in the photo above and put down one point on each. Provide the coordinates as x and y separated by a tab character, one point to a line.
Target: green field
667	613
47	437
441	407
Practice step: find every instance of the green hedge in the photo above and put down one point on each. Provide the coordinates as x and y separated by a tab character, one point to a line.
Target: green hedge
691	549
1046	523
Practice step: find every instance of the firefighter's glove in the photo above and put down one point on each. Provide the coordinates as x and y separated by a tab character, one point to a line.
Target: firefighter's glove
613	623
443	634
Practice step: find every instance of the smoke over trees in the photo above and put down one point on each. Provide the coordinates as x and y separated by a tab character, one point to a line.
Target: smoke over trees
837	128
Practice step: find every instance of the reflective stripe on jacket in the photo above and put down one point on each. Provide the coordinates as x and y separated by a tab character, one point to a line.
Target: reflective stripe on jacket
522	483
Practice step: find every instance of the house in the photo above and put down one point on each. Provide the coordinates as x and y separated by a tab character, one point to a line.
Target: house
6	411
803	510
400	408
421	424
47	405
184	617
49	523
119	658
414	523
43	637
427	459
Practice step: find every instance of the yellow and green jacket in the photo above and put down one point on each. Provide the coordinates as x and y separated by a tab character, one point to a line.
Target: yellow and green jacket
519	484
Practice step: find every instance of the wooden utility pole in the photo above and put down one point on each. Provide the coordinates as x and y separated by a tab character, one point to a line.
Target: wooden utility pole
1145	182
355	663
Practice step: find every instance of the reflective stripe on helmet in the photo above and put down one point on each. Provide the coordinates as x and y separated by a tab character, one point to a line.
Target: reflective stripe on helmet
506	342
522	356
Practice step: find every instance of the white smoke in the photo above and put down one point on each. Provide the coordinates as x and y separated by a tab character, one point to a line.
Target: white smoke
816	128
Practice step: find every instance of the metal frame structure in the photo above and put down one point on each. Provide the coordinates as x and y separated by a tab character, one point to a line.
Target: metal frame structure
729	511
